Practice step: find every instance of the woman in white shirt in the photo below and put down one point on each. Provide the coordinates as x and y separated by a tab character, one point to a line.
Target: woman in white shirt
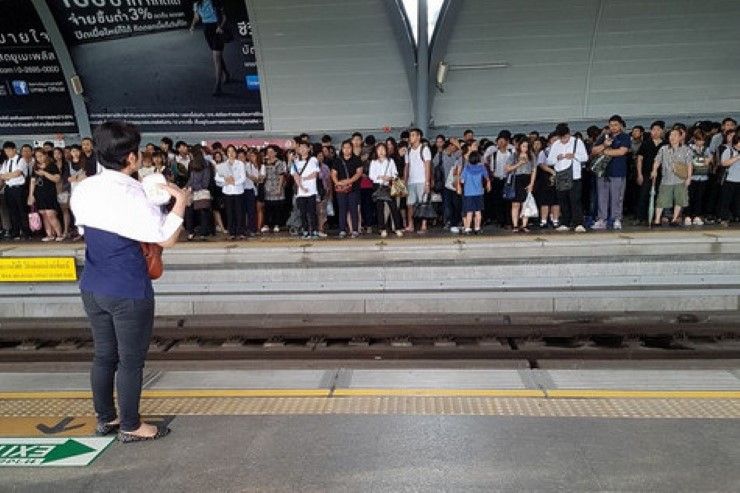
231	176
304	170
113	212
382	173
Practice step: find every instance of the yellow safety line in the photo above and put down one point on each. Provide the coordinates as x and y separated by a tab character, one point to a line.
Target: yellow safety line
439	392
642	394
374	392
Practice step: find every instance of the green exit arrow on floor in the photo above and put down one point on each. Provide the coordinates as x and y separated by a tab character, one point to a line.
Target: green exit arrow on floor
50	451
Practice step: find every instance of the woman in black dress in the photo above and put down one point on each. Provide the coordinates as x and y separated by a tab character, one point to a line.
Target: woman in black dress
43	193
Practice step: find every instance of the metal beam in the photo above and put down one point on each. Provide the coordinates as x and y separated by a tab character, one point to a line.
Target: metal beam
405	40
440	40
422	67
65	61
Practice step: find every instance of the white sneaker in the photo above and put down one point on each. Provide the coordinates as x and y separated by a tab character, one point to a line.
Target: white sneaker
384	234
265	229
322	234
617	224
599	225
581	229
565	228
687	222
698	221
455	230
399	233
276	229
342	234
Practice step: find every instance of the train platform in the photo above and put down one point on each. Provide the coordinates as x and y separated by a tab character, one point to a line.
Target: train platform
370	426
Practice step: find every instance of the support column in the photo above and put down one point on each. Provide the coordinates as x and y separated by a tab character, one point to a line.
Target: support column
422	69
65	61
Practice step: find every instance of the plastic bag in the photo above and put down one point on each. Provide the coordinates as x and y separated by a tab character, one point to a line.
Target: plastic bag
529	207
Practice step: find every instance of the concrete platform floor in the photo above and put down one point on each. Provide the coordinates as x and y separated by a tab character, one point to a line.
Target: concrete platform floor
410	453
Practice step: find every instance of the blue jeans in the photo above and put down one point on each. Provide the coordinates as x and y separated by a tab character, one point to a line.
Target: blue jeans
121	330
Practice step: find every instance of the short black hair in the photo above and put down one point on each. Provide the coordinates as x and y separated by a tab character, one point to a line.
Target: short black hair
658	123
617	118
468	131
167	141
404	135
8	145
416	130
356	134
48	143
27	146
114	143
440	136
87	138
326	139
474	157
562	129
729	119
370	140
639	127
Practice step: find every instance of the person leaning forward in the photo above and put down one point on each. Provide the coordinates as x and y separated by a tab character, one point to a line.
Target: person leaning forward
115	216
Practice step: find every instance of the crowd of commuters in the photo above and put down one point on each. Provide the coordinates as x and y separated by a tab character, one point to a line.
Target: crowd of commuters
567	181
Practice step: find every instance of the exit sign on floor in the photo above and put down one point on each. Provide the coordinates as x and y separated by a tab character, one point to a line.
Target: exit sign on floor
42	452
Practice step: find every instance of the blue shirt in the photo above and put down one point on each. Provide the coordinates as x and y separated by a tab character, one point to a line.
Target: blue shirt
206	12
618	164
472	177
114	266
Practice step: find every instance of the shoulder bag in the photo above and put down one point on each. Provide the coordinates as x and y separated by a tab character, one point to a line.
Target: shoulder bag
344	188
153	256
382	192
564	178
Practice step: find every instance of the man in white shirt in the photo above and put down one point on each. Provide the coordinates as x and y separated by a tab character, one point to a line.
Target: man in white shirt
418	177
566	155
496	158
13	174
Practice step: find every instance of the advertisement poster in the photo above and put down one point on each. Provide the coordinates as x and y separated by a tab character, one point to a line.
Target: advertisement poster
34	98
139	61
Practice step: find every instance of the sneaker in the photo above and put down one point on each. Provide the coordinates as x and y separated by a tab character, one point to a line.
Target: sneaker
46	239
617	224
579	229
322	234
355	234
477	231
60	238
564	228
384	234
599	225
305	235
687	222
468	231
276	229
399	233
698	221
315	235
455	230
265	229
543	224
556	224
342	234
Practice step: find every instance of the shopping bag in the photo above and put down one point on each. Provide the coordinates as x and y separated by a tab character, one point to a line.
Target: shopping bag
529	207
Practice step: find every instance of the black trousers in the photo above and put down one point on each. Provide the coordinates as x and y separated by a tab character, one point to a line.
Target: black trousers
17	200
729	201
643	198
697	191
309	217
198	221
394	215
367	208
348	202
274	213
250	201
121	330
496	209
235	214
571	207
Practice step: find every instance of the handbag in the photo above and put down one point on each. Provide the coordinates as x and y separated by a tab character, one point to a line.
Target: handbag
343	188
681	170
426	209
564	178
510	187
34	220
382	193
600	165
398	188
153	257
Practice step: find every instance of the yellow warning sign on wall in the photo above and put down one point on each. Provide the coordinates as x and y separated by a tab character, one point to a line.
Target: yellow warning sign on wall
37	269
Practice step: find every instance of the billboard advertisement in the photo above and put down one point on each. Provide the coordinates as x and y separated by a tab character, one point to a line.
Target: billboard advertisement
140	61
34	98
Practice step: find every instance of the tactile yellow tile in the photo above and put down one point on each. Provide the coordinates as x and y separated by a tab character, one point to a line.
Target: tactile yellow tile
398	405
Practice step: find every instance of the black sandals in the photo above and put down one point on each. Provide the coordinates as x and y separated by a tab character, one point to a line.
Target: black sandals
125	437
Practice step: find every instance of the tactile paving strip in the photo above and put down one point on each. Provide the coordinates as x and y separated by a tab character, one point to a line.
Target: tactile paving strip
400	405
